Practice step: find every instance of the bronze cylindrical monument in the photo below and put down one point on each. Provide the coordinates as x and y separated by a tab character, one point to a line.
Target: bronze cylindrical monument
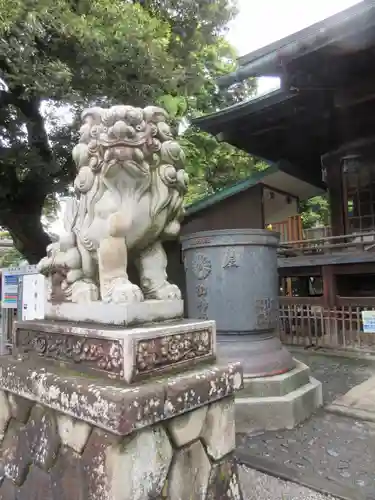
232	277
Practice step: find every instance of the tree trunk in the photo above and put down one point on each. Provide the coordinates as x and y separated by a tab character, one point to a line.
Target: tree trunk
28	234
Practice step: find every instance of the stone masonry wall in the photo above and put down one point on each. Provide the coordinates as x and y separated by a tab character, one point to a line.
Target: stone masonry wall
47	455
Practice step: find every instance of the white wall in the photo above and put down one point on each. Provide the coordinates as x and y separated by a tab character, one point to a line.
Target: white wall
277	209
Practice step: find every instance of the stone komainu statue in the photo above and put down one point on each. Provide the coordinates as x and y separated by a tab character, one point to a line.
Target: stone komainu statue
129	194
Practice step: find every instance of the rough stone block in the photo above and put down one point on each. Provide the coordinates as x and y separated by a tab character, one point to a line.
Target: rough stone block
43	437
68	477
8	490
5	413
15	453
219	434
189	474
142	464
274	413
38	485
187	427
73	433
134	469
224	483
20	407
94	464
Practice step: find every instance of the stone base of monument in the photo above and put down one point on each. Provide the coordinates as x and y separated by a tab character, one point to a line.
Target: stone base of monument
103	413
277	402
279	392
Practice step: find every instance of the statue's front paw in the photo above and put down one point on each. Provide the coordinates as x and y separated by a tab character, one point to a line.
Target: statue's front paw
83	291
165	292
123	292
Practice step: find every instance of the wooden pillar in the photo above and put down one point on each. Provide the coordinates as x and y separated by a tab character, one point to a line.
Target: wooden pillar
336	198
329	286
289	288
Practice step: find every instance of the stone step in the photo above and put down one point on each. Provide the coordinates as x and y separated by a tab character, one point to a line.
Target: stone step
278	412
277	385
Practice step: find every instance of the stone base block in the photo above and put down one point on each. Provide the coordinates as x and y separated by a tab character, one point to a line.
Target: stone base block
128	354
85	439
134	313
278	402
277	385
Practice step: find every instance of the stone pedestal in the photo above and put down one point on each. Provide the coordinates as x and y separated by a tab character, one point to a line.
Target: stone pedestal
103	413
280	400
114	396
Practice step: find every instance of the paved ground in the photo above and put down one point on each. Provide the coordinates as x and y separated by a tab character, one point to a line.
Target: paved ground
329	449
258	486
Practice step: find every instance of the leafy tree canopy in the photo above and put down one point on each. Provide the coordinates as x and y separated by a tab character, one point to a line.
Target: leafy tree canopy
64	54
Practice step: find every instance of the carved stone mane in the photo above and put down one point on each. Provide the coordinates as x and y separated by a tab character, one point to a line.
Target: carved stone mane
128	196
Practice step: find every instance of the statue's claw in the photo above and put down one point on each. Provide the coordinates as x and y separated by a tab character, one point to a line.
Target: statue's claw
122	291
168	291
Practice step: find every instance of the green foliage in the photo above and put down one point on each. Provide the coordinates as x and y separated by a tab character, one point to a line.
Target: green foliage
10	258
315	212
71	53
213	165
57	56
62	49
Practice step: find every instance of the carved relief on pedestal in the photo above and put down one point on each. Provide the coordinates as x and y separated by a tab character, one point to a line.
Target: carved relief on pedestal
99	354
158	353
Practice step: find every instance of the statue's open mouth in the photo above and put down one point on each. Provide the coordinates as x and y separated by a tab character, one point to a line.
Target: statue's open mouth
118	143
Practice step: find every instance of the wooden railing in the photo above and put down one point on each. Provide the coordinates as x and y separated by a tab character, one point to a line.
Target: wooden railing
306	322
282	228
289	229
317	232
298	241
359	242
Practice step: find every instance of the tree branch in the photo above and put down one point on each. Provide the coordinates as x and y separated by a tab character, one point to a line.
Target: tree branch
38	137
